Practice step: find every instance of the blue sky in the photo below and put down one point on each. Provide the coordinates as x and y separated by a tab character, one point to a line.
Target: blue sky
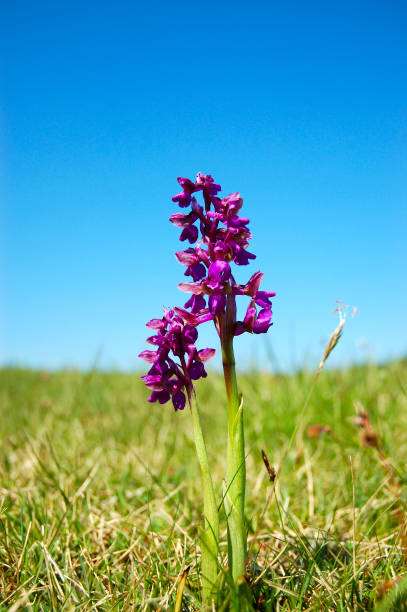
300	106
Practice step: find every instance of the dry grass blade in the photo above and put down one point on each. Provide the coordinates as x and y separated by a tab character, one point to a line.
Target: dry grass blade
333	341
180	590
318	541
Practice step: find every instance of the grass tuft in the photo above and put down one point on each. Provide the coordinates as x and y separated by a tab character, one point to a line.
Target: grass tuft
100	500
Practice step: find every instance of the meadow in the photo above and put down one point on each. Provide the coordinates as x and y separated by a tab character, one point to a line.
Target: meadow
101	498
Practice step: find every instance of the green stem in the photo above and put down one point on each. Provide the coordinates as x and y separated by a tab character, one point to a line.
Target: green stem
210	533
236	466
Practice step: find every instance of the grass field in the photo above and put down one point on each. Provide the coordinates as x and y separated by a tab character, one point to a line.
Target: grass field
101	496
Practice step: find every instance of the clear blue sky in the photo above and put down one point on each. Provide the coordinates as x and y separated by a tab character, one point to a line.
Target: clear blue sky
300	106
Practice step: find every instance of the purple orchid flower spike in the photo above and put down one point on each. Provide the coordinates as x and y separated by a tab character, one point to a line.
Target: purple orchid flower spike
168	378
224	238
175	365
217	237
221	238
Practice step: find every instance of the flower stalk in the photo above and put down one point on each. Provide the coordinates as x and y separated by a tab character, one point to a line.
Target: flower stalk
210	532
218	237
236	459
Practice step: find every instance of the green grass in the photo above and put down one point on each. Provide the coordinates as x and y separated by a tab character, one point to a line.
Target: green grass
101	498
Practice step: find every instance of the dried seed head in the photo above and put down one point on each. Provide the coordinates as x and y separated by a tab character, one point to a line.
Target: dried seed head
362	418
335	337
270	469
369	438
333	341
316	431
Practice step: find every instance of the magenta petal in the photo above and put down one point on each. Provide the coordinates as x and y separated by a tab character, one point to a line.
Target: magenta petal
197	370
187	258
186	183
250	317
208	316
180	220
242	256
263	321
159	368
253	284
148	356
197	271
195	288
237	222
155	324
189	233
203	255
191	351
217	303
239	329
262	298
219	271
154	381
188	317
222	250
215	215
195	207
232	203
206	354
178	400
196	303
156	340
191	334
183	198
205	181
159	396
